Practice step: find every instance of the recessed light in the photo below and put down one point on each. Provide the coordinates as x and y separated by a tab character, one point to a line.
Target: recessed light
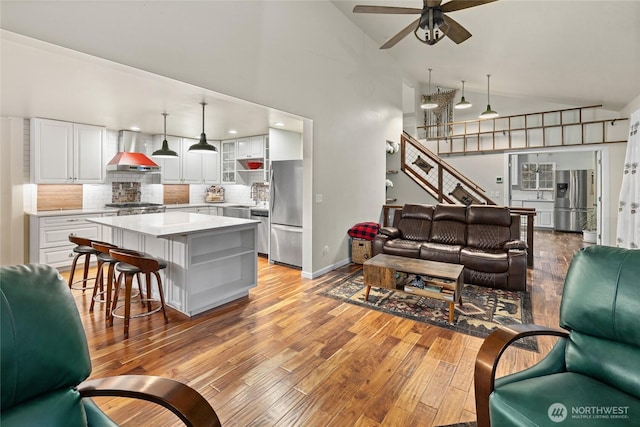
279	124
233	131
135	128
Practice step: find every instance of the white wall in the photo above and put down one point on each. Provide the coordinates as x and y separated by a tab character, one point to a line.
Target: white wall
306	58
12	218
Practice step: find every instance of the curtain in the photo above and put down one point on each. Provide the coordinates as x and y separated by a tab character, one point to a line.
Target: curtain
629	206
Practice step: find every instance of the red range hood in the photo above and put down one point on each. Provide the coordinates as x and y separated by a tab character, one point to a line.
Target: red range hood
129	157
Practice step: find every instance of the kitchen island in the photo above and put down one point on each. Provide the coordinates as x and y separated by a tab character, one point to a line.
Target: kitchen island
211	260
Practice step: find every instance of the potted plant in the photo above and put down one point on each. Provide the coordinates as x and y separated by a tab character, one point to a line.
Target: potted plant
589	227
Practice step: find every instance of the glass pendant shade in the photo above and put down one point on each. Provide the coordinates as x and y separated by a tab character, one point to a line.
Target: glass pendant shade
203	146
488	113
463	104
165	152
428	103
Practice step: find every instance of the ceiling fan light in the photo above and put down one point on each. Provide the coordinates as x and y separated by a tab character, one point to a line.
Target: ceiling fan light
164	152
202	146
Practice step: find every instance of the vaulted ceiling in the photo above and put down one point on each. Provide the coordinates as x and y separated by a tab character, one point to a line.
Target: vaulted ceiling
576	52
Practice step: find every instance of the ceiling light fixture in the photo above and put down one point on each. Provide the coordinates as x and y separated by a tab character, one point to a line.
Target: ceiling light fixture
232	131
165	152
279	124
428	104
203	146
430	23
489	113
463	104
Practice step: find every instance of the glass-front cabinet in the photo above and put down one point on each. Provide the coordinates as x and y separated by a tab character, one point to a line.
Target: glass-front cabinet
229	161
536	176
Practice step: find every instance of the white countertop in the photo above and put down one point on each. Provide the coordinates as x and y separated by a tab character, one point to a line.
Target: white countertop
170	223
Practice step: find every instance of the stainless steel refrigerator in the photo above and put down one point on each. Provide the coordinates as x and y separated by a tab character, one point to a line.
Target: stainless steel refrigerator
572	199
285	212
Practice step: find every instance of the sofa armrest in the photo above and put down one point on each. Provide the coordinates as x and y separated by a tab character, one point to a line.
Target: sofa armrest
516	244
489	355
391	232
189	405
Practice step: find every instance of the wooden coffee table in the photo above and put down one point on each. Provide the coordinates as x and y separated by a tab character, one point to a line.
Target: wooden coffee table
442	280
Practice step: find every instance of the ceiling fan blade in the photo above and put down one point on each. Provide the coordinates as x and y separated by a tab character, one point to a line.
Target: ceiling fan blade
386	9
402	34
453	30
454	5
433	3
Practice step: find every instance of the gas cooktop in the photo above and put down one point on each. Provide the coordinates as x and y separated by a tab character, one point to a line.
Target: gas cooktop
133	205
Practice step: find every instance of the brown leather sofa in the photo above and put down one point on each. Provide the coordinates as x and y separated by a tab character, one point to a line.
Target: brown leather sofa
484	239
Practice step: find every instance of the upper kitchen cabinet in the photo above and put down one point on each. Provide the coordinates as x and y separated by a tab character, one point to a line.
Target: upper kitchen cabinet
187	168
251	147
67	153
211	165
228	161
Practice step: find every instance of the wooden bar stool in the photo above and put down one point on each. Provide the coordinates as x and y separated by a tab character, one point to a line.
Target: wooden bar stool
132	263
105	293
84	249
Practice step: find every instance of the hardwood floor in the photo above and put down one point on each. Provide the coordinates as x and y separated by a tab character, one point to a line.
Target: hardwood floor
287	356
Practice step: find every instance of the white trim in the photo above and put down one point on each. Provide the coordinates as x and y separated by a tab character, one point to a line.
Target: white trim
326	269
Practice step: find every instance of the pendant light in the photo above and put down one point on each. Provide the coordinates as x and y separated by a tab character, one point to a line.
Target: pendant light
203	146
165	152
428	104
489	113
463	104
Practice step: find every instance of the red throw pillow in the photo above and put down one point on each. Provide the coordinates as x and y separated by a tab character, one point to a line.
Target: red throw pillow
364	230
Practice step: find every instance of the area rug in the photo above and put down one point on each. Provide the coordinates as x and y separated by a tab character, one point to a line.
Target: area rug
483	309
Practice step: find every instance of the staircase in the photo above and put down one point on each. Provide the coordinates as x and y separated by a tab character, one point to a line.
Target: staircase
441	180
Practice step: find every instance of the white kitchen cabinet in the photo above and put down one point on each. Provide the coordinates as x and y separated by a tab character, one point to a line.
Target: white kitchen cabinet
49	238
251	147
67	153
228	161
187	168
211	165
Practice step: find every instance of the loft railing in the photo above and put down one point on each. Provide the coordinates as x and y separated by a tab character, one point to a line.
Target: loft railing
441	180
555	128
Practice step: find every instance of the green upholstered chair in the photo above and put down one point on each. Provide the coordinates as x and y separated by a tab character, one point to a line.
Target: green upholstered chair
45	359
591	376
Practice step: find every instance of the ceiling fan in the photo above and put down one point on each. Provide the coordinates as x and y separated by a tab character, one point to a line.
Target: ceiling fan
432	21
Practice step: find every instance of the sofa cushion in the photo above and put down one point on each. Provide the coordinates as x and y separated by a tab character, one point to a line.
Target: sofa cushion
441	252
403	247
487	260
489	227
449	225
415	222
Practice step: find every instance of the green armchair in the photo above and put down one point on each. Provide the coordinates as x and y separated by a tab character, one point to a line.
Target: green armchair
45	359
592	374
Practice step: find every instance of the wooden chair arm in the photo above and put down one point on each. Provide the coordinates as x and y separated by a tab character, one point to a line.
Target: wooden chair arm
179	398
489	355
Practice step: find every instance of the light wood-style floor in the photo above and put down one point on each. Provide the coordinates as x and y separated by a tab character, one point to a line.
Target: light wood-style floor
286	356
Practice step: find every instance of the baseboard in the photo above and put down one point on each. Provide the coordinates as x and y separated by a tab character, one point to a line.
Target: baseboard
325	270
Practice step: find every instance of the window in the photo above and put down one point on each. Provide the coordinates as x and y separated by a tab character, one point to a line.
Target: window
536	176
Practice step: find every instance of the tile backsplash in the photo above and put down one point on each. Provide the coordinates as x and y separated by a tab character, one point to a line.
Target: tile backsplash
125	192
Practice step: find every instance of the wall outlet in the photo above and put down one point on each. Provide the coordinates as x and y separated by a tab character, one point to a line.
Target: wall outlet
325	251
